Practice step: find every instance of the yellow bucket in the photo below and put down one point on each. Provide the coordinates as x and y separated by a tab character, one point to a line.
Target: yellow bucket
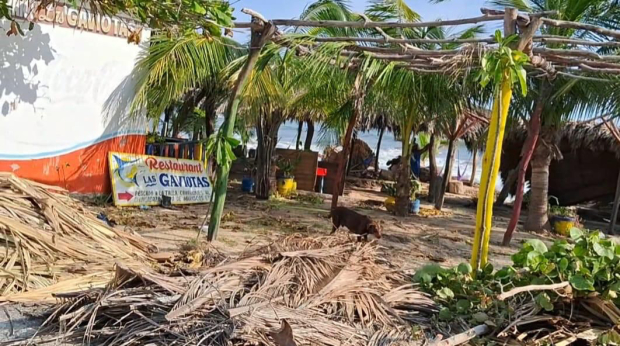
286	187
562	224
294	186
563	227
390	203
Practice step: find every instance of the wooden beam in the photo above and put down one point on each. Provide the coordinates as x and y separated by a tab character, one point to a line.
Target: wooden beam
428	71
403	41
552	39
587	68
577	76
576	53
490	11
581	26
577	62
404	51
367	24
244	25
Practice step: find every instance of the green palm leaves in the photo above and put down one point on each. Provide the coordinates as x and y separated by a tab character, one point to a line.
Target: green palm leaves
502	61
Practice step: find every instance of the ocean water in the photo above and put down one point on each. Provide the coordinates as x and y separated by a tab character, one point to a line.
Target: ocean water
390	148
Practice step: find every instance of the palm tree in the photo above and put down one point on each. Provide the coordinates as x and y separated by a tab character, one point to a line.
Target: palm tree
268	101
187	68
568	99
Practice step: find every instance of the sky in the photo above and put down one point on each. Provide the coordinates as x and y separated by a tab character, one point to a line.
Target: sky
286	9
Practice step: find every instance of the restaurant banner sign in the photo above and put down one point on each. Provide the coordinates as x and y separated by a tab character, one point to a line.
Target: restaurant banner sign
143	180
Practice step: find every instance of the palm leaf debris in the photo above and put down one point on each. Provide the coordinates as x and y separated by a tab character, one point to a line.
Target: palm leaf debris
50	243
338	293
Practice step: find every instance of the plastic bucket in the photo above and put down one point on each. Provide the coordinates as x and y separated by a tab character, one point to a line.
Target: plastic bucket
286	187
414	207
390	204
562	224
247	185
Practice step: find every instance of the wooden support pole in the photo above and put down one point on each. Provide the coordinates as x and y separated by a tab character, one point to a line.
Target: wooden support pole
359	94
258	40
614	212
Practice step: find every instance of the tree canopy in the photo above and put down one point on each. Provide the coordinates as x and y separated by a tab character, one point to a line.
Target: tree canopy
208	16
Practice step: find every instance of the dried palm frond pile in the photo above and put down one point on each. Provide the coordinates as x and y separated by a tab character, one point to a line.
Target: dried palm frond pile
50	243
330	291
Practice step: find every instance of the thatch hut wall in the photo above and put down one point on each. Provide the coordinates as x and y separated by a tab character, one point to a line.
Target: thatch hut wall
589	168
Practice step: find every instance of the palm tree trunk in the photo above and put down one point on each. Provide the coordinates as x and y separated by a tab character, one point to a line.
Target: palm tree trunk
474	168
267	139
299	129
258	40
350	161
167	116
447	175
210	116
490	169
403	186
358	104
403	180
537	217
196	133
381	132
309	135
432	168
528	151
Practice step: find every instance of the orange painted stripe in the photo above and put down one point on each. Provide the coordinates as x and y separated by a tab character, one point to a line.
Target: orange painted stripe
83	171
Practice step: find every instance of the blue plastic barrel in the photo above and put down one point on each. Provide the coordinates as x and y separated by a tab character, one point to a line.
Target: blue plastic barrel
247	185
414	206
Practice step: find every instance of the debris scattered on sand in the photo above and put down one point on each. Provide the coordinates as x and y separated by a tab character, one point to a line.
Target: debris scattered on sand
51	243
431	212
329	290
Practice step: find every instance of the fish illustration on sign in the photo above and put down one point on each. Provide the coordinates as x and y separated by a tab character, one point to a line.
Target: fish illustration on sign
126	173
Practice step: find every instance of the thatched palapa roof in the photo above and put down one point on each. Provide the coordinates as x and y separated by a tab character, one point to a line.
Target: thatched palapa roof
588	169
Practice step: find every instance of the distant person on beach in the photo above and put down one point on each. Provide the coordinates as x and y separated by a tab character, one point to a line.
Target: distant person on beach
416	158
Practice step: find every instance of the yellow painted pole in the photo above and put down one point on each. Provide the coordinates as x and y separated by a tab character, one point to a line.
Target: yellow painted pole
490	170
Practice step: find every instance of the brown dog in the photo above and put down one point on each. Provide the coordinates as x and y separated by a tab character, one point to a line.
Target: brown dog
357	223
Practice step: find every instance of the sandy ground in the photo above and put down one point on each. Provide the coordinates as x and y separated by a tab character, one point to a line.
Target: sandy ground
410	242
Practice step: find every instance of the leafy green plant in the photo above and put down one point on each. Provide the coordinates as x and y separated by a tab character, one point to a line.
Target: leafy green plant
154	137
588	261
416	186
221	147
286	167
557	210
504	60
309	198
389	189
